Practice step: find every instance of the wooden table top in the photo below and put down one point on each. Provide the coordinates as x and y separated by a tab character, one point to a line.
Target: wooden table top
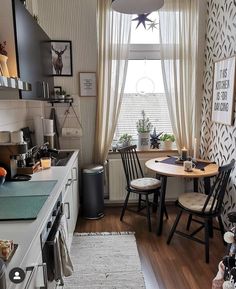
178	171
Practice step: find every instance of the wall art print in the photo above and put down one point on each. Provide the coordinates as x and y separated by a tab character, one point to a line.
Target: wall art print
223	90
61	57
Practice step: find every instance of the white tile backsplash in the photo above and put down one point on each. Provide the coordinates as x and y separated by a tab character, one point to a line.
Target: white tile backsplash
16	114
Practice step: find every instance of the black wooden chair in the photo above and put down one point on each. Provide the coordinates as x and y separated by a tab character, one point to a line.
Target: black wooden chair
138	184
204	206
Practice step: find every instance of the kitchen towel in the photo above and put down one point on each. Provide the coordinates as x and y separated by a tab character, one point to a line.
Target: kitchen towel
62	261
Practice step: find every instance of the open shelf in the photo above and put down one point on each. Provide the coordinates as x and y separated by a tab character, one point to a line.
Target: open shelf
66	100
14	83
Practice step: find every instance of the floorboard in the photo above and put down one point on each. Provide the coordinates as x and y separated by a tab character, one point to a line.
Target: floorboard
180	265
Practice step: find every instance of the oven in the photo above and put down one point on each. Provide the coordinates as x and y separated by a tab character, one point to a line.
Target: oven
49	243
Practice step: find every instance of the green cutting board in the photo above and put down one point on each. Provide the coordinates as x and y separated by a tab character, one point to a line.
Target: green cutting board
27	188
21	208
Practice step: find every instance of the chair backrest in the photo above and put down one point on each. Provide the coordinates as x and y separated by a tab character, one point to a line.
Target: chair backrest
131	163
217	192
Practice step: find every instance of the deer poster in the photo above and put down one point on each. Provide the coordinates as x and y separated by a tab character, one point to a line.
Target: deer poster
61	57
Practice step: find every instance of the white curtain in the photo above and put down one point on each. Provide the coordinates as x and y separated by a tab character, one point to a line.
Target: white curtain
179	45
113	48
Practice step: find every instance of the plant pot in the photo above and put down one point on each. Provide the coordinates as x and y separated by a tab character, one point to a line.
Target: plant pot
166	145
3	64
144	141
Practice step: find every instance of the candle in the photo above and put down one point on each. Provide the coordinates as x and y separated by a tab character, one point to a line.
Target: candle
45	162
184	152
195	149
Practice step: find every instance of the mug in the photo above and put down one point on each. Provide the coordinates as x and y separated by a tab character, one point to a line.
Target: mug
188	166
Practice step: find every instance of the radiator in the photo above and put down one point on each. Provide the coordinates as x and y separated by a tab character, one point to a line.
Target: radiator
117	182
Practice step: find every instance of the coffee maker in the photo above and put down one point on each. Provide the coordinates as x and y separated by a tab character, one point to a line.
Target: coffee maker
9	154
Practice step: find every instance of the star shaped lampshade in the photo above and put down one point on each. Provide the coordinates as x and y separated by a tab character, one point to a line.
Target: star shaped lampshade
136	6
142	18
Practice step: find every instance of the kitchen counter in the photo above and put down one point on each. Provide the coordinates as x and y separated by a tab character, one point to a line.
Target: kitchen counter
24	233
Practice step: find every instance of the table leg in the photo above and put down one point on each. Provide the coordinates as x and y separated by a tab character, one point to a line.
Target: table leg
207	185
195	185
160	213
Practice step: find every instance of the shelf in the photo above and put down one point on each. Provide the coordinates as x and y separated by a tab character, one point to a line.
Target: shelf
14	83
66	100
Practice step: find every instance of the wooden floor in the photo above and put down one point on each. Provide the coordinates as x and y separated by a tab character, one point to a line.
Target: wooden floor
180	265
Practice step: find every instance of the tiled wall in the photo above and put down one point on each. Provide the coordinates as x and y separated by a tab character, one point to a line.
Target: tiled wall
218	141
16	114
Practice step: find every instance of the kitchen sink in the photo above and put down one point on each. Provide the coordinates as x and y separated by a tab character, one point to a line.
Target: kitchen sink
62	158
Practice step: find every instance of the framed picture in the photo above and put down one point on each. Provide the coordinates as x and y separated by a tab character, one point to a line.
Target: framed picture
57	90
88	84
61	57
223	90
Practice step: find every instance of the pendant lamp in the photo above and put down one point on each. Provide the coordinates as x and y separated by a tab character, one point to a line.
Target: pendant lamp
136	6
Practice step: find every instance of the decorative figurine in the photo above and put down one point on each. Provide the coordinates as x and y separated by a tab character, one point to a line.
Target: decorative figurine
155	140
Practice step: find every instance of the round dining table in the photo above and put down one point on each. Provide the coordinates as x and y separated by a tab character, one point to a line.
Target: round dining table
172	167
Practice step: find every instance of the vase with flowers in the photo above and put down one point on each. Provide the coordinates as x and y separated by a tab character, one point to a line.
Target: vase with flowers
3	59
144	127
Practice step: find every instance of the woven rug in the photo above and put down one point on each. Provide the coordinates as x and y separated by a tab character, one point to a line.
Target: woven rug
105	261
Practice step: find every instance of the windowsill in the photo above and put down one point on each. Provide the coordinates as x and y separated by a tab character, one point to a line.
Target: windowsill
152	153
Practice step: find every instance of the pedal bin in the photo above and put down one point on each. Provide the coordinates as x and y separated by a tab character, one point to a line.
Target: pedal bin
93	192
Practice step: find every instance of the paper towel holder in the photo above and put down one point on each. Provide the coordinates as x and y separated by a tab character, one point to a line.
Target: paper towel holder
71	131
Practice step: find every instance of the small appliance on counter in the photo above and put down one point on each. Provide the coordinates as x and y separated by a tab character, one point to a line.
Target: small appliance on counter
12	155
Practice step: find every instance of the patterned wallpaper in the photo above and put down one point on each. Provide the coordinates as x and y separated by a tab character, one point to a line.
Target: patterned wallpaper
218	141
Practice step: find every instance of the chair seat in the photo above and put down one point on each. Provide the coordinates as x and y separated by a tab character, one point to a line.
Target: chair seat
145	184
194	201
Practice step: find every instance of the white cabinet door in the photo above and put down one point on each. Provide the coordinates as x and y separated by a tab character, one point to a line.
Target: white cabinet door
35	274
75	192
68	209
71	200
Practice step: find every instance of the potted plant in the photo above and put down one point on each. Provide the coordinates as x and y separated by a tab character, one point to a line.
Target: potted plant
3	59
144	127
125	140
167	141
60	94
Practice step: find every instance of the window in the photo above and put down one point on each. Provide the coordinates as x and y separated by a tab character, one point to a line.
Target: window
144	87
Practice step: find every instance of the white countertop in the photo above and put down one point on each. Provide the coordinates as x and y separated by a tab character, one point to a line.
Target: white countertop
24	233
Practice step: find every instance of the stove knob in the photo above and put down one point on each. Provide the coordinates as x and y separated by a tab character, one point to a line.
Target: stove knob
54	213
49	225
58	204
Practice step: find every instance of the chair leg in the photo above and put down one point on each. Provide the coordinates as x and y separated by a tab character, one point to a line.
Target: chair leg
207	240
148	214
189	222
165	212
174	227
155	202
124	206
139	202
222	229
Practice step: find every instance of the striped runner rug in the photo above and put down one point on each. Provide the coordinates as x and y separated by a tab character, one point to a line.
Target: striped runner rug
105	261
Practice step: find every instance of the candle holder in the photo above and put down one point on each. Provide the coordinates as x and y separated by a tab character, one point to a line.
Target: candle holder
184	154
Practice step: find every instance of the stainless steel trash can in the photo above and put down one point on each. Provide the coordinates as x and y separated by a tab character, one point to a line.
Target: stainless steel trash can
93	192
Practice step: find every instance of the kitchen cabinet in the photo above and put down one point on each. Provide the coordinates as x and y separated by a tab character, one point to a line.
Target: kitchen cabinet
29	50
35	270
71	201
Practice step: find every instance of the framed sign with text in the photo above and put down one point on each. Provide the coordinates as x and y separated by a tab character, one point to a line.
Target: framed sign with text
223	91
88	84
